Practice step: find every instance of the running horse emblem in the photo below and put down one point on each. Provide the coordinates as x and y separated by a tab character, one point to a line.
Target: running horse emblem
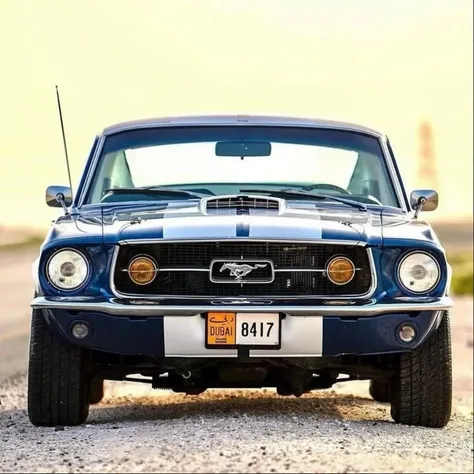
239	271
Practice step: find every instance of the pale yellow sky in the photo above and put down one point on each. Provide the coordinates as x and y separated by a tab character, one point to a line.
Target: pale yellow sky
386	64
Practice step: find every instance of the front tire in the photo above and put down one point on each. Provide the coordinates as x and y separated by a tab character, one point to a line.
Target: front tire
422	386
58	386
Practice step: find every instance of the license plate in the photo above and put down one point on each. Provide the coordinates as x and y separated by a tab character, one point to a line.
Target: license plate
242	329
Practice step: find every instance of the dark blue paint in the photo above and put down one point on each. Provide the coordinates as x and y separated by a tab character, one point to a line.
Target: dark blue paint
145	336
96	230
100	260
386	260
375	335
149	229
117	335
243	228
85	233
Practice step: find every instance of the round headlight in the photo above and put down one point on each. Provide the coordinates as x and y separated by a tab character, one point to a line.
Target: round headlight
67	269
142	270
418	272
340	270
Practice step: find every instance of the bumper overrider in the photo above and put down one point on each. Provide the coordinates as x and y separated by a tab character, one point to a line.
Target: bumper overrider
138	327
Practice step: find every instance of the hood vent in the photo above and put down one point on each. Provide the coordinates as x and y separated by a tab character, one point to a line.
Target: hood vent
241	202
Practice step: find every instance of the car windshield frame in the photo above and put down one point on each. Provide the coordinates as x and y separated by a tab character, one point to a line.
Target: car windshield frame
341	138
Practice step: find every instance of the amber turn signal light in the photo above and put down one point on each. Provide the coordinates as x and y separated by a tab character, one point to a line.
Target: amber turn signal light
340	270
142	270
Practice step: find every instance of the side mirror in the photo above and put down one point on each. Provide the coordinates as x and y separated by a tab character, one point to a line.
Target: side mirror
424	199
57	195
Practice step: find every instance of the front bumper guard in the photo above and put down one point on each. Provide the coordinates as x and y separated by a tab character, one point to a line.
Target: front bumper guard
146	308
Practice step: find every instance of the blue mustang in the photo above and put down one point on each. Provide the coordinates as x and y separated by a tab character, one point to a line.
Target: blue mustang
241	252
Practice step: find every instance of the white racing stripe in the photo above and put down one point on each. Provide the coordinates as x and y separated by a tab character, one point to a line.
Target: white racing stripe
199	227
284	228
301	336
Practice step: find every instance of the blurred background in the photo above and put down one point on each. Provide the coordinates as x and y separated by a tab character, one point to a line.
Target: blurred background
402	66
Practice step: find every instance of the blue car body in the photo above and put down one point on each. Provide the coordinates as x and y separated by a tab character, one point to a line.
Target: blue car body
315	329
389	235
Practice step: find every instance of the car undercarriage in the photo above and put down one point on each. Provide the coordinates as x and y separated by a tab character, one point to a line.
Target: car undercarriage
292	376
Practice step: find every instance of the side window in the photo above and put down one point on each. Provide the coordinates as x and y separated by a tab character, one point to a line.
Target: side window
399	173
365	179
370	179
121	172
113	173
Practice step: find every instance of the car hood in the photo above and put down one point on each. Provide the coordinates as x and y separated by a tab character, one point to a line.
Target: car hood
186	220
302	221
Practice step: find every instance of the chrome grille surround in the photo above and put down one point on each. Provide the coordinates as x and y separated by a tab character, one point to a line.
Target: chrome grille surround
267	294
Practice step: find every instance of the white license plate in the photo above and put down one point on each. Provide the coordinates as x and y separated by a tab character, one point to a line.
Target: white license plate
258	329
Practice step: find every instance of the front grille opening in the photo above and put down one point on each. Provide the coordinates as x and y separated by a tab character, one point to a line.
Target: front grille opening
185	269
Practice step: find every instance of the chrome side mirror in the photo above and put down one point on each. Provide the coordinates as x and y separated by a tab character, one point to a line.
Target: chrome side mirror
424	199
58	196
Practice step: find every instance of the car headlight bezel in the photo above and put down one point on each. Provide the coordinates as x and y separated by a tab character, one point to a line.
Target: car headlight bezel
403	260
85	270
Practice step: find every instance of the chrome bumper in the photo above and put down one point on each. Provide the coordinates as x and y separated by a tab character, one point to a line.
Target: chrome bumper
131	308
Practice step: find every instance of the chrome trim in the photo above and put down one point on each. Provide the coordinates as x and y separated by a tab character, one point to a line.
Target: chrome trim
399	265
241	281
276	270
203	203
118	308
316	270
174	269
238	120
402	198
231	301
354	243
367	295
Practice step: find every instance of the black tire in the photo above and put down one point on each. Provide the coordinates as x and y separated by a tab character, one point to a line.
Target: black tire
422	387
379	390
96	391
57	383
283	391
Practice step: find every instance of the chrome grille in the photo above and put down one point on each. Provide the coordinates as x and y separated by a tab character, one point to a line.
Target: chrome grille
184	269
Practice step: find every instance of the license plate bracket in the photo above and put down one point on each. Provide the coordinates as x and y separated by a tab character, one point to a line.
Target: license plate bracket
229	330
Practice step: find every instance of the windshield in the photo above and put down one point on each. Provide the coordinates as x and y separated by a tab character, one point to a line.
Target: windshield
226	159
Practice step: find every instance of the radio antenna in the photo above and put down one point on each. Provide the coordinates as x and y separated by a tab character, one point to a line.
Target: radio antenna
64	139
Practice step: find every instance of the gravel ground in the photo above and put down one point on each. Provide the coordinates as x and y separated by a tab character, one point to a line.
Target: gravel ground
138	430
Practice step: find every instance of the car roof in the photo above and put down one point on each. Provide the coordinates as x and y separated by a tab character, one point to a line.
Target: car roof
262	120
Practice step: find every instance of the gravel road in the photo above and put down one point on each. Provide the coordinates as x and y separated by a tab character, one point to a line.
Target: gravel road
136	429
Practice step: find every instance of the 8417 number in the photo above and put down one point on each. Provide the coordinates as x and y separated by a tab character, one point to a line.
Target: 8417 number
262	329
258	329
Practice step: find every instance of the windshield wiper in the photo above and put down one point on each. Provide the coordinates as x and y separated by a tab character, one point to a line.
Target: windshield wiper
284	193
154	190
